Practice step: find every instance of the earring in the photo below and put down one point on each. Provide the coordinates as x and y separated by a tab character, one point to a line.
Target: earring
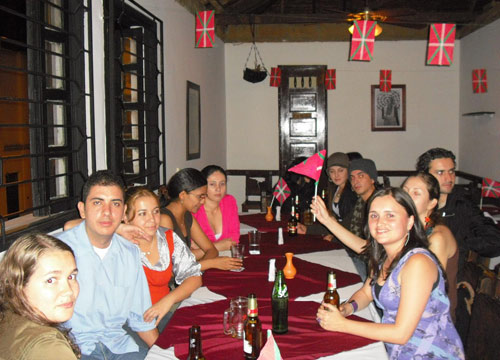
407	238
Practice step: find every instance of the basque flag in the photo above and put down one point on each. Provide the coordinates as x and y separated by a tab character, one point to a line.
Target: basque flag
491	188
282	191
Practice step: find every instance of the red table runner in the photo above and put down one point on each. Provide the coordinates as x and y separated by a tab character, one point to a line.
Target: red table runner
259	221
305	338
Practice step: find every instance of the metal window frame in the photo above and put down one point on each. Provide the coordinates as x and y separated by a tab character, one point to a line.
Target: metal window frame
79	107
121	15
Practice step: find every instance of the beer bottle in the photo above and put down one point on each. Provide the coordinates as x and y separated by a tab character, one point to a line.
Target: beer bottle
279	304
331	295
252	334
292	223
195	352
297	208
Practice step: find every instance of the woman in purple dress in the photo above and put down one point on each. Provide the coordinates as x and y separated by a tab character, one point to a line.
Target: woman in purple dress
406	281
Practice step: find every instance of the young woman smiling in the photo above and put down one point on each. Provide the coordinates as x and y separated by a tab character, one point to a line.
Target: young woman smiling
218	216
187	191
424	191
407	283
163	255
38	291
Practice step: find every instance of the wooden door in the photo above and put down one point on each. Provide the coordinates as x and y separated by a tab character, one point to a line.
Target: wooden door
302	112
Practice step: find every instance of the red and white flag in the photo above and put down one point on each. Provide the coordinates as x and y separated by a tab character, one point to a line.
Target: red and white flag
205	29
330	79
275	79
385	80
281	191
491	188
441	44
363	40
479	81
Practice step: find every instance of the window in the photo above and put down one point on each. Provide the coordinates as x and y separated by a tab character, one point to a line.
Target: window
46	105
134	62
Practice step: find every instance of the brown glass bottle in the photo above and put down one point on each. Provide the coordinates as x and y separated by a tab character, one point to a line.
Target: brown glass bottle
252	336
292	223
331	295
297	208
195	352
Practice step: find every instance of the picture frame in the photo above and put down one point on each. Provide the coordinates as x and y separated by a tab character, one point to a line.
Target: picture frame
193	121
388	108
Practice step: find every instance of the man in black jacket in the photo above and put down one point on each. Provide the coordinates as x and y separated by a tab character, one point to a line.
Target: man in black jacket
472	230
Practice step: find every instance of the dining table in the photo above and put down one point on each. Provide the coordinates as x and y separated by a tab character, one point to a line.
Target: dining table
305	339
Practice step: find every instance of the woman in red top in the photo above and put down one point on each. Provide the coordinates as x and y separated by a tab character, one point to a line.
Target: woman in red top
163	254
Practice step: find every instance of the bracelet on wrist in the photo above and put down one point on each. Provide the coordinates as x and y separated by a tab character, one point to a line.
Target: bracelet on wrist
354	306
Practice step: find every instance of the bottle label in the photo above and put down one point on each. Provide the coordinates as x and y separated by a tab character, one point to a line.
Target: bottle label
332	284
252	312
247	347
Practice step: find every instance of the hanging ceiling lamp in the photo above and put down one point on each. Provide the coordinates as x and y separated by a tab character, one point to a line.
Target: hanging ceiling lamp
366	15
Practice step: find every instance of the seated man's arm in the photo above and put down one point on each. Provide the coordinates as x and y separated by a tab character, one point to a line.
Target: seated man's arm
483	236
149	337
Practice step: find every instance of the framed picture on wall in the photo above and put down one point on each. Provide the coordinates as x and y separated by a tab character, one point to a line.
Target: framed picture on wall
193	121
389	109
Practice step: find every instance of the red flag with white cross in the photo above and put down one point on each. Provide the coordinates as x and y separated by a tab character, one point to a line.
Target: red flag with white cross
441	44
363	40
275	79
281	191
385	80
491	188
330	79
205	29
479	81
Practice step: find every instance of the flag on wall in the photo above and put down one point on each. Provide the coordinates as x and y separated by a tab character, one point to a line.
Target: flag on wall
205	29
363	40
479	81
441	44
281	191
311	167
275	79
385	80
491	188
330	79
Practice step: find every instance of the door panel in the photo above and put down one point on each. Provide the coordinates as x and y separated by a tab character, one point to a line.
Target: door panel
302	112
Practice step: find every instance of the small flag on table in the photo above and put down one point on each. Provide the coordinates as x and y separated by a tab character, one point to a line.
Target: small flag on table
491	188
275	77
311	166
270	351
441	44
385	80
479	81
330	79
363	40
205	30
281	191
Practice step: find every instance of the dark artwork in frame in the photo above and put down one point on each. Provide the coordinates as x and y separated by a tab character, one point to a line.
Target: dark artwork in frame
388	108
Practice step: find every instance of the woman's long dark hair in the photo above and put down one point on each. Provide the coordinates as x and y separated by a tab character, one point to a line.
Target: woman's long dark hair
187	180
432	186
417	238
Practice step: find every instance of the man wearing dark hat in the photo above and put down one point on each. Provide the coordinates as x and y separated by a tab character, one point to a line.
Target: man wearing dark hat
363	176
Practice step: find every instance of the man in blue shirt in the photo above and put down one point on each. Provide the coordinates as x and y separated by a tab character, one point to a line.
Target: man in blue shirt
113	287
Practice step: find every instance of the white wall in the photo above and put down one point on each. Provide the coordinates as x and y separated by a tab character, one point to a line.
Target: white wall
480	136
183	62
432	103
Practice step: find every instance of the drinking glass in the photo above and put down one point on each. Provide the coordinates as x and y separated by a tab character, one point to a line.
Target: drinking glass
238	251
254	242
